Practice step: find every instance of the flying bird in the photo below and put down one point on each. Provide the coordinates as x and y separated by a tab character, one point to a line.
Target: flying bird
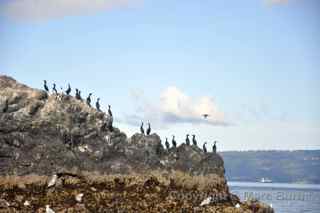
205	116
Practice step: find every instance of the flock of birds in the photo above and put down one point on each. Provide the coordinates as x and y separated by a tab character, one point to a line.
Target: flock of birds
148	130
77	96
174	142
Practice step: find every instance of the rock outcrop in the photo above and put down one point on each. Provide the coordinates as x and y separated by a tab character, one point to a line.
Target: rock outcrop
42	133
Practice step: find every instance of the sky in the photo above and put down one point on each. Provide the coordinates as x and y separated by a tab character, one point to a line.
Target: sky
253	66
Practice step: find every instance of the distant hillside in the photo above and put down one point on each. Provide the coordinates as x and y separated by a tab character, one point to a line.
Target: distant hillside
279	166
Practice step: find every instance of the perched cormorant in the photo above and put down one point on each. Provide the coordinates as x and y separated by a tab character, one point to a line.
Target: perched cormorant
45	86
167	144
204	147
109	110
54	88
68	91
6	106
98	105
79	93
214	147
174	143
148	129
141	128
187	140
89	100
194	142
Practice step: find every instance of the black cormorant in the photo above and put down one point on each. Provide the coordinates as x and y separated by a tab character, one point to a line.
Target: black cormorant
141	128
214	147
79	93
68	91
167	144
187	140
148	129
54	88
194	142
89	100
109	110
174	143
98	105
45	86
204	147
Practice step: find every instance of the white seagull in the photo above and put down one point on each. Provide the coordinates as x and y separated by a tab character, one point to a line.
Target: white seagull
48	210
206	201
52	181
79	197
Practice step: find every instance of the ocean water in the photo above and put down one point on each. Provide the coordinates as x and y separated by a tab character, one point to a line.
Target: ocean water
284	198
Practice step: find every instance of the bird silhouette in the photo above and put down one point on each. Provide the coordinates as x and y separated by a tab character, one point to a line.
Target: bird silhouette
148	129
214	147
54	88
45	86
204	147
89	100
98	105
205	116
68	91
141	128
194	141
174	143
187	140
109	110
167	144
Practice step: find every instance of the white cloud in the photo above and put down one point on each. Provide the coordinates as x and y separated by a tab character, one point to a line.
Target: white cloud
175	107
38	10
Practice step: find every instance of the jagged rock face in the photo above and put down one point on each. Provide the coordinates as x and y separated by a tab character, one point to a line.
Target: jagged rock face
43	134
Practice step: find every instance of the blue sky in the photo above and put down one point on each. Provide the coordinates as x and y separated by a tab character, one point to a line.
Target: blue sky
254	65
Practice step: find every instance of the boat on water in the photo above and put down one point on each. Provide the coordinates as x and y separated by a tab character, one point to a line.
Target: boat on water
265	180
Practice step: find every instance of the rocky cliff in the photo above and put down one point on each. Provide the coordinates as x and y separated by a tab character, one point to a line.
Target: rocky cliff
45	133
57	152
